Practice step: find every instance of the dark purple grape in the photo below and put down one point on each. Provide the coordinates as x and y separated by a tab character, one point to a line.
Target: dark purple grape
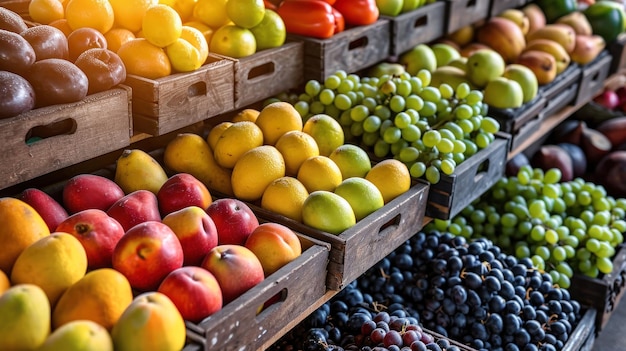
393	337
411	336
418	346
382	316
378	335
367	327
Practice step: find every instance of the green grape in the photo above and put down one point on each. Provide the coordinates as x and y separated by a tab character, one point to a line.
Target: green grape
538	233
559	254
569	198
482	140
354	97
383	112
392	134
601	204
462	90
476	124
397	103
417	169
403	88
332	111
359	113
551	191
543	252
592	245
302	107
304	97
432	174
524	228
356	129
563	232
445	146
552	176
384	125
424	75
423	125
604	264
490	125
564	268
563	282
312	87
470	148
459	147
474	97
431	138
538	262
369	138
559	205
415	116
402	120
411	133
619	224
522	250
508	220
327	96
571	241
387	87
345	86
454	229
398	146
353	77
456	130
458	157
465	125
408	154
332	82
429	109
583	198
381	148
343	102
371	124
344	119
444	110
605	250
369	91
416	84
370	103
478	216
446	91
447	134
601	218
448	167
414	102
341	74
316	107
463	112
467	231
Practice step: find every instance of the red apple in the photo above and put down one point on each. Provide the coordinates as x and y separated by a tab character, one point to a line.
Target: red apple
236	269
195	231
621	94
87	191
274	245
608	98
98	233
137	207
146	254
48	208
233	219
183	190
195	292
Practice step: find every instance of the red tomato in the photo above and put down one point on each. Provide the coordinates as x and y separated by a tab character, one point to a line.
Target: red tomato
358	12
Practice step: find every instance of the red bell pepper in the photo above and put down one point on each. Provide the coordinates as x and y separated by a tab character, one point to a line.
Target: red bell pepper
340	23
358	12
312	18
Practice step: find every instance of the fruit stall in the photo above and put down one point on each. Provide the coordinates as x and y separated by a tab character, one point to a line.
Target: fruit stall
311	175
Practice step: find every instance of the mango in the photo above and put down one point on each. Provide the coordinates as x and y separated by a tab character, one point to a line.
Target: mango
100	296
80	335
137	170
25	322
21	226
54	263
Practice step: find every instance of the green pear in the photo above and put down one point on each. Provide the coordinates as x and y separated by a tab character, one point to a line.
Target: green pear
25	322
460	62
483	66
526	79
386	68
444	53
79	335
419	57
138	170
503	93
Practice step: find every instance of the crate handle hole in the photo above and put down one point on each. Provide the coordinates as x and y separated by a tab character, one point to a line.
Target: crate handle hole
63	127
481	171
258	71
421	22
392	223
197	89
272	303
471	3
358	43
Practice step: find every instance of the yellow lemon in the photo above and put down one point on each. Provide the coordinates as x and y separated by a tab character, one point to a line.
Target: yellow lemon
161	25
215	132
129	13
277	119
296	146
189	52
352	160
248	114
285	196
184	8
362	195
391	177
319	173
326	131
206	31
235	141
327	211
245	13
211	12
233	41
255	170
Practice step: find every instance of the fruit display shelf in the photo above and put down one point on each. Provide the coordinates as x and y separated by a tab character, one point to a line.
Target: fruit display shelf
593	76
53	137
497	6
466	12
422	25
519	122
618	50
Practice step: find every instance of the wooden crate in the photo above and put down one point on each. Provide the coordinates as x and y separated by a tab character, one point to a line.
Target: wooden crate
592	78
46	139
497	6
561	92
353	49
182	99
520	122
603	294
422	25
267	73
584	334
470	180
299	284
617	49
194	341
370	239
466	12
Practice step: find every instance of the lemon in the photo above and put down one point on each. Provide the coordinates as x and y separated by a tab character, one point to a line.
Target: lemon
196	38
245	13
248	114
206	31
327	211
285	196
296	146
183	56
319	173
277	119
235	141
255	170
352	160
216	131
161	25
233	41
129	13
326	131
184	8
391	177
362	195
271	32
211	12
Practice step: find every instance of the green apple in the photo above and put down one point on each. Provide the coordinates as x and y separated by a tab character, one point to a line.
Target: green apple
327	211
444	53
386	68
526	79
389	7
503	93
271	32
362	195
483	66
419	57
410	5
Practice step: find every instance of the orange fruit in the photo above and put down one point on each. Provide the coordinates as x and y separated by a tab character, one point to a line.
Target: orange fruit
285	196
97	14
61	24
118	36
184	8
245	13
129	13
45	11
234	41
211	12
144	59
161	25
5	284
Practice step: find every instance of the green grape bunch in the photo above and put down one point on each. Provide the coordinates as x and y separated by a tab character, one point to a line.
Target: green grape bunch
430	129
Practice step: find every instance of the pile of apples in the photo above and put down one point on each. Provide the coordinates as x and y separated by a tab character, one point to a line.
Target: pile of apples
173	241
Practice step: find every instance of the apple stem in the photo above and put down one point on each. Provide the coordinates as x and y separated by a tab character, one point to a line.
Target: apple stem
82	229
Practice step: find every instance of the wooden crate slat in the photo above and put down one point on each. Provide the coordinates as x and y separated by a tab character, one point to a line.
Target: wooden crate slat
422	25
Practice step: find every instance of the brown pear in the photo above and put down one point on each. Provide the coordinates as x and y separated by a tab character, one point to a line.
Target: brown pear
587	48
541	63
